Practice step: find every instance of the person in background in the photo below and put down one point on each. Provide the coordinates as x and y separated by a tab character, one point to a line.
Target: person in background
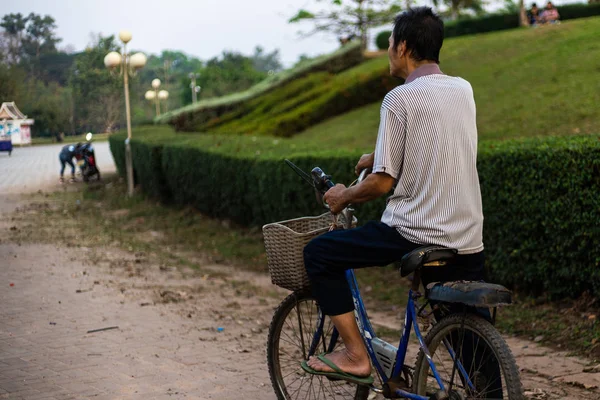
550	14
66	157
533	16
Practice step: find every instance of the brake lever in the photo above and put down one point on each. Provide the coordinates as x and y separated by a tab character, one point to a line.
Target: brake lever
301	173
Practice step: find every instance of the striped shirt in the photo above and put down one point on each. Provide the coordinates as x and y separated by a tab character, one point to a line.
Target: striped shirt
427	141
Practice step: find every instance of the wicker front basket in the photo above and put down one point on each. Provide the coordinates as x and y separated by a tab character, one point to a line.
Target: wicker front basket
285	242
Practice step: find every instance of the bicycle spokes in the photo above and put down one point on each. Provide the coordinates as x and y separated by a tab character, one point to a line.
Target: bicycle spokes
477	374
295	338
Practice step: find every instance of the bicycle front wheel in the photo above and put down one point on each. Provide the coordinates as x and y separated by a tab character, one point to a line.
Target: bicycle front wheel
290	336
487	368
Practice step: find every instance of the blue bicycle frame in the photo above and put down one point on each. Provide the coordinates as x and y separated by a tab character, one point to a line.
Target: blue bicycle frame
368	334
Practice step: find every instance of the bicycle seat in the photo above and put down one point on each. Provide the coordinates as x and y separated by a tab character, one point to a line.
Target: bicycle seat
429	256
471	293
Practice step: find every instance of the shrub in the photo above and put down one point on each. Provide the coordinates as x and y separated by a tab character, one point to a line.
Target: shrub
190	116
382	40
497	22
305	102
573	11
489	23
540	196
542	209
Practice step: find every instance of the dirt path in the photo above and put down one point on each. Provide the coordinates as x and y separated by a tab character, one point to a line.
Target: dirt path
168	344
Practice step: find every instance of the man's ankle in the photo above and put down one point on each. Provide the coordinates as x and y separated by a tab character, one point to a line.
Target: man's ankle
357	356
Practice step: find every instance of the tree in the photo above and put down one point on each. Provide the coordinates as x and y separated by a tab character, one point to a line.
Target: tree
266	62
231	72
97	94
455	7
172	68
10	80
14	27
48	104
350	18
55	67
511	7
40	36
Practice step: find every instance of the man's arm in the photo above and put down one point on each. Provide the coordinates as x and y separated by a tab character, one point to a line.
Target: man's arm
374	186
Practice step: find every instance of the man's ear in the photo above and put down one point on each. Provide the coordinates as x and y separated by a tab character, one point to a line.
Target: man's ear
402	48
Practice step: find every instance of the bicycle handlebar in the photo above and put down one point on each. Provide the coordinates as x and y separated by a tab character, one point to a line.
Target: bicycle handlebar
363	175
323	182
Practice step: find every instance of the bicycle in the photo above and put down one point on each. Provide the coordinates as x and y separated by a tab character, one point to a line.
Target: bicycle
298	329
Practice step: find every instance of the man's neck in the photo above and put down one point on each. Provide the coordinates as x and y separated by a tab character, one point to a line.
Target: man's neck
423	69
412	66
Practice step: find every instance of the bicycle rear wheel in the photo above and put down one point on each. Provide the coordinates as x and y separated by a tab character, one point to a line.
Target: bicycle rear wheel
290	335
484	357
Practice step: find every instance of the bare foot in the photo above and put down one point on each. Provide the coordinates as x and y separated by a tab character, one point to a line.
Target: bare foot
346	361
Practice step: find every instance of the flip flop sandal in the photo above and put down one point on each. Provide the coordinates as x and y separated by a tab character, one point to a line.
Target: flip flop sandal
338	374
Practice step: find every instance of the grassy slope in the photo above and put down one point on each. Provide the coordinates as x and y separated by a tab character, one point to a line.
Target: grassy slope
260	88
527	83
305	101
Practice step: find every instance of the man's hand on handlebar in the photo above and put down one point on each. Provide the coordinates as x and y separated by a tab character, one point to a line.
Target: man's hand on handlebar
335	198
366	162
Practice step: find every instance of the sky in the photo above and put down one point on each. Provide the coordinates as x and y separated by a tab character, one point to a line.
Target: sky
202	28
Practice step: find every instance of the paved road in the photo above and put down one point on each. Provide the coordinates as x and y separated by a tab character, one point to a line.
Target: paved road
30	169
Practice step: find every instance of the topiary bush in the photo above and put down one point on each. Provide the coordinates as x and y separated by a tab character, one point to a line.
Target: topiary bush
382	40
190	116
540	196
305	102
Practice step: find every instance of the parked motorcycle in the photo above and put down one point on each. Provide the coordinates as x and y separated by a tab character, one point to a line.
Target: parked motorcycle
86	160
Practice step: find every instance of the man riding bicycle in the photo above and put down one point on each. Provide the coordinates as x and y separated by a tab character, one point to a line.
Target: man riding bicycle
426	152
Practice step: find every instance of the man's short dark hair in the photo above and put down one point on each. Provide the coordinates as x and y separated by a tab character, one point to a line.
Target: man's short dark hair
423	31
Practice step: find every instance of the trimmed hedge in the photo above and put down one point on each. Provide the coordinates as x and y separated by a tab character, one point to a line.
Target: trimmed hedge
190	116
382	40
540	196
499	22
542	213
303	103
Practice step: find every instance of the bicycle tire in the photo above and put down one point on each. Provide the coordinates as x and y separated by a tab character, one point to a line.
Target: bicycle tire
512	385
328	389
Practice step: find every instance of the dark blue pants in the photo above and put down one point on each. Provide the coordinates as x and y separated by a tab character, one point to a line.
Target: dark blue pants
327	257
66	160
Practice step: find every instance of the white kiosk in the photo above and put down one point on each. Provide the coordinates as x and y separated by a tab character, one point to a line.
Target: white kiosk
15	124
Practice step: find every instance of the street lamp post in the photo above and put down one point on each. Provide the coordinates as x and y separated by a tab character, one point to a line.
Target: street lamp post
163	95
156	95
129	64
195	89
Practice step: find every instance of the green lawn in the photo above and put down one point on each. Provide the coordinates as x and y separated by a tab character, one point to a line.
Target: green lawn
354	130
527	82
